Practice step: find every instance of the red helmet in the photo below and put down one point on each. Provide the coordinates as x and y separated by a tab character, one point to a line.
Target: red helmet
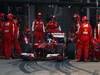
1	14
53	17
84	18
10	16
76	16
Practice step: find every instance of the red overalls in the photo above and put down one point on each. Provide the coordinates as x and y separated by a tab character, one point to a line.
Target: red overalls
85	34
38	30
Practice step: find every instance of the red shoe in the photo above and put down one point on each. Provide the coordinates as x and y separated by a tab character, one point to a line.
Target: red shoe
8	57
86	60
77	60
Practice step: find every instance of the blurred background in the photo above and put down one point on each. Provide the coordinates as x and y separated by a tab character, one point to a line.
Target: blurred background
25	10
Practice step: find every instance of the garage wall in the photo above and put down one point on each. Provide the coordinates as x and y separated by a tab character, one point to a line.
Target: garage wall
64	15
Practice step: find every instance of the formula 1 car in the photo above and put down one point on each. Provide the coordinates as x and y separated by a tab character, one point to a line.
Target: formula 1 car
52	48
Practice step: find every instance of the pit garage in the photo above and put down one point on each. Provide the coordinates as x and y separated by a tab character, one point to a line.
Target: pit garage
32	47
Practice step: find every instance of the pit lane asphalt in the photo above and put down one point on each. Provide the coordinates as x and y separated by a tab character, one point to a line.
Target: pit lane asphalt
20	67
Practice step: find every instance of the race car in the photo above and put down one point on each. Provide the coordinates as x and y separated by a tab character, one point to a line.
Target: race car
56	46
52	48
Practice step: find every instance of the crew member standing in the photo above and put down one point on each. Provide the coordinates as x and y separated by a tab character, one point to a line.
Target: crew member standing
7	30
16	36
98	30
38	28
53	26
85	35
1	35
77	25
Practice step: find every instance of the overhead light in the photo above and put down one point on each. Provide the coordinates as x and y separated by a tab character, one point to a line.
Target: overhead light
69	6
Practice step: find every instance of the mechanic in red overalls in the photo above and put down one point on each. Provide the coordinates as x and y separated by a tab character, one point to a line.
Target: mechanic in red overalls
98	30
53	26
16	36
7	30
77	27
38	28
85	35
1	35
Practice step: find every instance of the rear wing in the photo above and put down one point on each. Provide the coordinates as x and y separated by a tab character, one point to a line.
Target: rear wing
59	35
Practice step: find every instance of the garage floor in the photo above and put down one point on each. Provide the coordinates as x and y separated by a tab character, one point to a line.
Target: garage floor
19	67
